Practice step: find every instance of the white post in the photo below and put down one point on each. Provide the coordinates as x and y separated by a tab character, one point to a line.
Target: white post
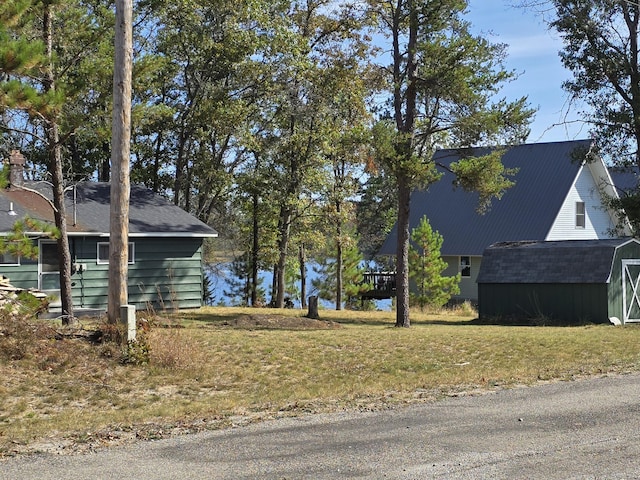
128	316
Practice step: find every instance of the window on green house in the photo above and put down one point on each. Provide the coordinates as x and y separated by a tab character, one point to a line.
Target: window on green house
8	259
103	253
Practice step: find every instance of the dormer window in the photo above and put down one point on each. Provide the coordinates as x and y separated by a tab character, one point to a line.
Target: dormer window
580	215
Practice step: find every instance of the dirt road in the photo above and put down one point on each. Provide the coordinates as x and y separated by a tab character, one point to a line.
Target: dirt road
587	429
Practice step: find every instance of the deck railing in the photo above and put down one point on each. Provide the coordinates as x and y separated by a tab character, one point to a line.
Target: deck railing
383	285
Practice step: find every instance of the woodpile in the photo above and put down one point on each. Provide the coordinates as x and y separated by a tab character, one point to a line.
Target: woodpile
9	297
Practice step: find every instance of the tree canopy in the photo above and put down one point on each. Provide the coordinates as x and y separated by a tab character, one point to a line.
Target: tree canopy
601	50
442	85
298	129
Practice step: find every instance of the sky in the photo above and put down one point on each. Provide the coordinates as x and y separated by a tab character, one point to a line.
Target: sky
533	54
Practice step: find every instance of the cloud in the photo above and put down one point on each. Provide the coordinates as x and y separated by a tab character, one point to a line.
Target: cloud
532	46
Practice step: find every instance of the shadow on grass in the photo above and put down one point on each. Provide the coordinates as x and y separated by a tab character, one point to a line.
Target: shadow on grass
227	317
373	322
532	322
213	318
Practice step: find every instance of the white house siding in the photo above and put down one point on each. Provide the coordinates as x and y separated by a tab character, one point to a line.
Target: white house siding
598	222
468	285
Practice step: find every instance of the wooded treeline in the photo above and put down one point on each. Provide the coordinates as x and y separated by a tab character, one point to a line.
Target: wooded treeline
297	129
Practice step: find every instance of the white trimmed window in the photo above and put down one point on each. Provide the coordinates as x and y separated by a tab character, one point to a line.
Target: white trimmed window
465	266
103	253
8	259
581	220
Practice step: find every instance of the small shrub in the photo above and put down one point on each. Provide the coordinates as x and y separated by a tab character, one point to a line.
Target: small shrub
12	348
19	337
362	305
109	350
112	339
465	308
111	332
433	290
173	350
137	352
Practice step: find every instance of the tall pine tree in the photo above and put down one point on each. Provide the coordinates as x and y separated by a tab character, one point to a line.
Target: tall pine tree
442	83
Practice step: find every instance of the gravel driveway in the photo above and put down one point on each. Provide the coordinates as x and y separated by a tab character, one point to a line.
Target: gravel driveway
587	429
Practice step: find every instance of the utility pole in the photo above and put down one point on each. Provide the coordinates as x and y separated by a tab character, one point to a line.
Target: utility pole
120	153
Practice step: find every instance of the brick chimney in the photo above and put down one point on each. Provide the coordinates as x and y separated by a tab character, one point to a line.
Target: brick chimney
16	169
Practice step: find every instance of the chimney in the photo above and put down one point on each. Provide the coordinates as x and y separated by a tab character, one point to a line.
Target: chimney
16	169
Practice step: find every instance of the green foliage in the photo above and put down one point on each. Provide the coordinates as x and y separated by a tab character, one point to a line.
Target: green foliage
426	266
239	293
20	243
485	175
4	177
28	305
627	206
600	49
400	159
291	282
442	88
23	305
446	97
72	87
208	298
137	352
352	278
376	212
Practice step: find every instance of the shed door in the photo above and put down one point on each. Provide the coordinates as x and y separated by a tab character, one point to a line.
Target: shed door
631	290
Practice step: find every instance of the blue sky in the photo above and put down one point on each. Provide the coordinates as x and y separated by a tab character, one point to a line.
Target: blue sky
533	53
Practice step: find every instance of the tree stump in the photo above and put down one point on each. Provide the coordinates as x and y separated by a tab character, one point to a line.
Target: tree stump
313	307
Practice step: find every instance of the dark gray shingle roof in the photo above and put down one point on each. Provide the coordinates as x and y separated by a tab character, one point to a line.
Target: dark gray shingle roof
525	212
149	214
567	261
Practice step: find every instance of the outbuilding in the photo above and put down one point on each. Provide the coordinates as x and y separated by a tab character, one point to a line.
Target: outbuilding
561	282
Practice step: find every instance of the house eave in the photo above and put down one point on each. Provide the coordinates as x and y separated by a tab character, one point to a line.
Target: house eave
600	170
147	235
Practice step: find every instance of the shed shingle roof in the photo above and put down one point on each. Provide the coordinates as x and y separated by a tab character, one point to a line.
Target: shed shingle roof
567	261
526	211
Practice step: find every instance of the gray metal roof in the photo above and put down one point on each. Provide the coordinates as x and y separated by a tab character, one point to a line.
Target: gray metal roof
624	179
88	211
526	211
567	261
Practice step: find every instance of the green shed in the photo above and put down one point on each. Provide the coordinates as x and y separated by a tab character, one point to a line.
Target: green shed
569	282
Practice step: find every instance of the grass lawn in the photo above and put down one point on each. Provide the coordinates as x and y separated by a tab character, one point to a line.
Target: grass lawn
217	367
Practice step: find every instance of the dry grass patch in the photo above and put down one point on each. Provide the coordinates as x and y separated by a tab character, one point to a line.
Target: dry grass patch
220	366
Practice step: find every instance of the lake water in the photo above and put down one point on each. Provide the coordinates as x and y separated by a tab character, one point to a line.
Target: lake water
220	275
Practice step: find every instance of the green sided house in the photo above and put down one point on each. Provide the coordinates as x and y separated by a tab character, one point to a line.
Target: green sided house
165	244
560	193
